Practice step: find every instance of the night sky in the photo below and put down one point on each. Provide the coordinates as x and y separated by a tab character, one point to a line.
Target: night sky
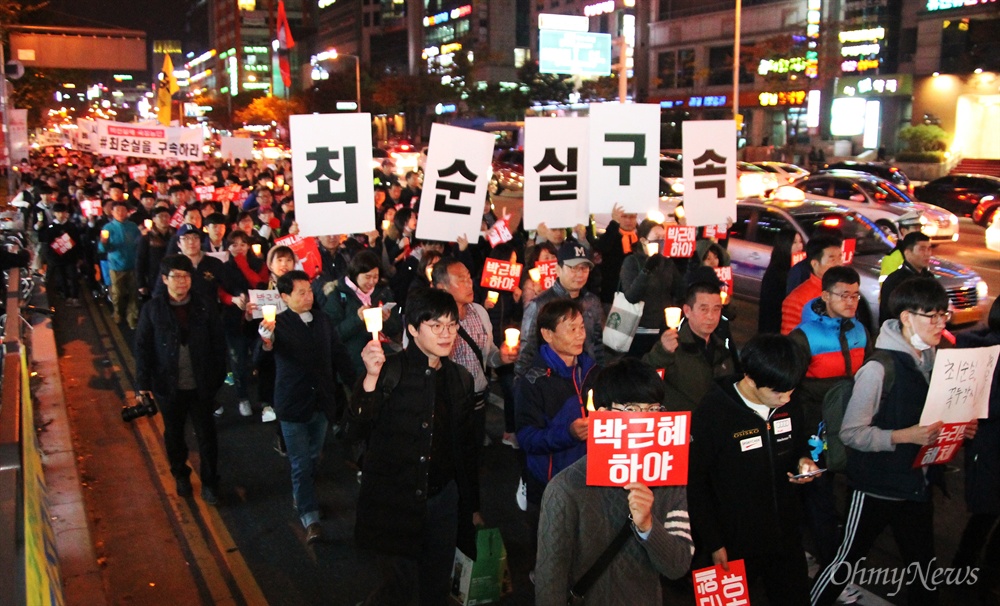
160	19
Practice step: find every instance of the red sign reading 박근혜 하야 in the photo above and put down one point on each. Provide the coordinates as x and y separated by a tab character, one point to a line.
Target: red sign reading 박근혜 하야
646	447
716	587
679	241
501	275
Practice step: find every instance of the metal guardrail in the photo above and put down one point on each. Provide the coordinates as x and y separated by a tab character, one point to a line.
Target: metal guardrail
12	588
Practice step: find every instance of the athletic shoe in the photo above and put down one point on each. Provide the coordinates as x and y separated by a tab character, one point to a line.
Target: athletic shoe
267	415
245	408
850	595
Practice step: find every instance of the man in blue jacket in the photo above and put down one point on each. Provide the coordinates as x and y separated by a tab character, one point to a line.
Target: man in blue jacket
180	359
308	355
120	239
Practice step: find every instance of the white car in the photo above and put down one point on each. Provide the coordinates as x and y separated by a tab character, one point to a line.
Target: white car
785	173
753	181
878	200
993	234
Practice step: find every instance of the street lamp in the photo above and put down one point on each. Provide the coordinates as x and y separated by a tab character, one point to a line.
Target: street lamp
332	54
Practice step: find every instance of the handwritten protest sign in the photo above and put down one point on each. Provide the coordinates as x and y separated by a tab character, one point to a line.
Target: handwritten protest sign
715	587
265	297
501	275
647	447
960	385
679	241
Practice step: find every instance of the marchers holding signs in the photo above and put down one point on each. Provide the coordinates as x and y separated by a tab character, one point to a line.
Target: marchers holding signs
624	157
332	156
458	170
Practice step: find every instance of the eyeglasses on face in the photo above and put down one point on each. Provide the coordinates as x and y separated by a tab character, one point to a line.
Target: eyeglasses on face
437	327
637	407
941	317
180	276
853	297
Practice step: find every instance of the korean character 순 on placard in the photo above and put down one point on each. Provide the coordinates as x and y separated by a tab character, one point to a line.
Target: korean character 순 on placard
323	174
455	189
558	187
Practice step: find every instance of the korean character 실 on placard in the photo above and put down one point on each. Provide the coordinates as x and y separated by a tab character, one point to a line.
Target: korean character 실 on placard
609	431
558	187
624	468
705	581
671	431
640	433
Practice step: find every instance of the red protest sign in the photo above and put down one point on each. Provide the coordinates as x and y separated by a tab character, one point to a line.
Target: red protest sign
205	192
715	587
848	248
306	251
178	218
499	233
949	441
91	207
715	231
725	275
501	275
137	171
63	244
798	257
547	273
195	170
108	171
679	241
647	447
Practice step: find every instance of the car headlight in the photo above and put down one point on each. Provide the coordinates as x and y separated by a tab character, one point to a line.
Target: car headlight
929	229
982	290
923	220
953	219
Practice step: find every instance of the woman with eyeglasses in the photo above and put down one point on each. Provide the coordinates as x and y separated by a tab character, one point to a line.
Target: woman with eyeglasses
883	434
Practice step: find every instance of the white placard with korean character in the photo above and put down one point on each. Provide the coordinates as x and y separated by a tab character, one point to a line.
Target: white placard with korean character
457	173
332	156
555	172
237	148
709	171
624	157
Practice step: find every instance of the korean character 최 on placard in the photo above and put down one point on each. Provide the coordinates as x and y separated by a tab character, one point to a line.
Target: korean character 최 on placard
671	431
640	433
705	581
557	187
609	431
323	173
714	165
624	467
455	189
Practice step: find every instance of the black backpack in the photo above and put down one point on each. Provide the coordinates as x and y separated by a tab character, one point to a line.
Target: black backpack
835	405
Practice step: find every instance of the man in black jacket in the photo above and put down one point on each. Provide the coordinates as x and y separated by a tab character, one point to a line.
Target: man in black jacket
308	355
420	487
745	447
917	252
180	360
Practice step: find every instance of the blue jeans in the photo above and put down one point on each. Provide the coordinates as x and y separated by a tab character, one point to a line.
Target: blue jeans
304	442
239	362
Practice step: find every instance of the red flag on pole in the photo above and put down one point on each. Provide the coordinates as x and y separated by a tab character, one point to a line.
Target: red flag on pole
285	42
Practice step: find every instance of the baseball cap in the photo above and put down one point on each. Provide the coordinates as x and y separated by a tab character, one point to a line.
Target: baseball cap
572	253
186	229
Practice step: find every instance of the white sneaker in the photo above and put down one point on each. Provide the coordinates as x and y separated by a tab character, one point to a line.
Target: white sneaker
267	415
218	412
850	595
245	408
522	496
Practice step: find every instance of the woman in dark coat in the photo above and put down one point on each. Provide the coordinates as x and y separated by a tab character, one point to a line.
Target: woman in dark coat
772	285
982	468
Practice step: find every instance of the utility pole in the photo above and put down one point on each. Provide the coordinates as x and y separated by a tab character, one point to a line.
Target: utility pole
736	66
5	108
623	68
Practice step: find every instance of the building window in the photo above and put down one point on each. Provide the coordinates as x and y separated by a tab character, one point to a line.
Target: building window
685	68
720	67
675	69
368	20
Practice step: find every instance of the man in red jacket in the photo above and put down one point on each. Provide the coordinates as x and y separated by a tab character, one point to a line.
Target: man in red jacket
823	252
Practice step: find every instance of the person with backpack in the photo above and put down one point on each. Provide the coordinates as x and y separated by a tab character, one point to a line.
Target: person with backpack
835	346
883	434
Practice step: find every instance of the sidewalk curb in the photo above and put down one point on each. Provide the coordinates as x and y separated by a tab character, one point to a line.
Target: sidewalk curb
81	575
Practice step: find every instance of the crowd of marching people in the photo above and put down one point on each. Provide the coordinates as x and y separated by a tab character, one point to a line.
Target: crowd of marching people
190	256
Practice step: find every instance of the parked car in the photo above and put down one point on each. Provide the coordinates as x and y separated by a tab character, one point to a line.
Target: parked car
879	169
880	201
960	194
784	172
753	181
757	224
508	173
986	210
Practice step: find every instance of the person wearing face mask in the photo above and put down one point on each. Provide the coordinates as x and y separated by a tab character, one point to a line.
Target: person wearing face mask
649	276
883	435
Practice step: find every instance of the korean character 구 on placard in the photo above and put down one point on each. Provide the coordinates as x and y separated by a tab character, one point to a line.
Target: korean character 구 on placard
638	157
671	431
640	434
455	189
705	581
733	590
609	431
557	187
323	173
714	165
